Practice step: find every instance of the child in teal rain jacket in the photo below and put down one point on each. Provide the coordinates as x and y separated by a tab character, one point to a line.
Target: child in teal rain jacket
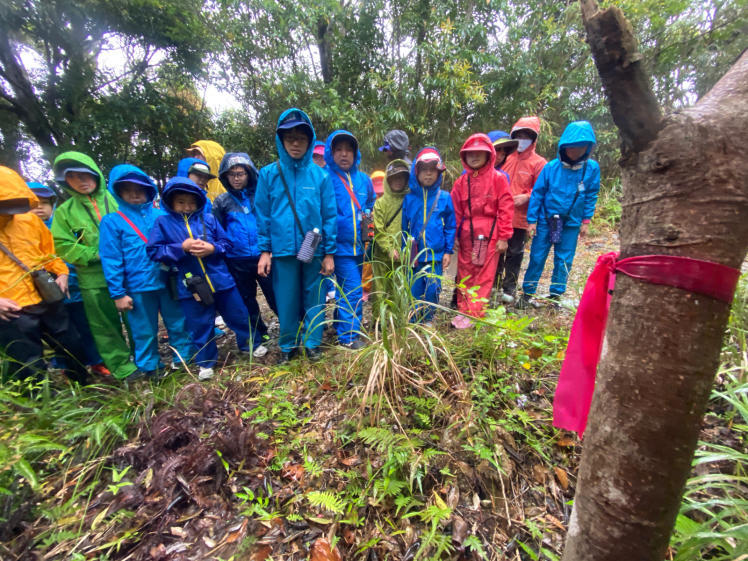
137	284
564	197
355	198
312	195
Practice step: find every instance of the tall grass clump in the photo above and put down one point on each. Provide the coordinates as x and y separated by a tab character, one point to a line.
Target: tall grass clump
404	356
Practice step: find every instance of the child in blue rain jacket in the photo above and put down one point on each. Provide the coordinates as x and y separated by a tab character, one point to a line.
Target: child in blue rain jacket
434	242
236	213
138	285
196	244
280	237
355	198
199	172
567	187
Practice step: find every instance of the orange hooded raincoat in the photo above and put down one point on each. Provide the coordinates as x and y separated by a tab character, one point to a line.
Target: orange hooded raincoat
523	169
26	236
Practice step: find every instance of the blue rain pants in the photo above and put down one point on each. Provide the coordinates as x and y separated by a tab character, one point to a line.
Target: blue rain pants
144	325
200	322
563	257
299	286
349	294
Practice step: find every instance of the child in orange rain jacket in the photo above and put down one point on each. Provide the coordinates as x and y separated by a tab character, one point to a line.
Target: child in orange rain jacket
25	318
483	209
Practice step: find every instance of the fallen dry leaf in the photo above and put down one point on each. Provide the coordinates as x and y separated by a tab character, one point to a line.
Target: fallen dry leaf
326	387
535	352
351	461
261	553
459	530
177	531
321	551
562	477
349	536
555	521
565	442
294	471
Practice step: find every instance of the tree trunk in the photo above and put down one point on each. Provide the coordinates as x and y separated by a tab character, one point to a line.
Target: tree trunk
685	180
325	53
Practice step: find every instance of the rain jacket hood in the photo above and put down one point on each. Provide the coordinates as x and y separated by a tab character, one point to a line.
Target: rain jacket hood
285	158
523	169
232	159
182	185
76	160
478	141
184	165
235	209
213	153
576	133
126	172
566	189
413	185
331	165
531	123
386	186
29	240
15	194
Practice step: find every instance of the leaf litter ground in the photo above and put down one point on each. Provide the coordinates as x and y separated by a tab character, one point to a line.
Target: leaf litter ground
286	464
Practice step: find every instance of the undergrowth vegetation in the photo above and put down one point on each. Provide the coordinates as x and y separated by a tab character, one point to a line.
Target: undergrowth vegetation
428	444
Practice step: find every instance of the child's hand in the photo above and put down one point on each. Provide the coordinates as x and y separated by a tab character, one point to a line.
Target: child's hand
519	200
123	304
9	310
446	260
583	230
395	255
531	228
502	246
328	265
202	248
187	245
264	264
62	282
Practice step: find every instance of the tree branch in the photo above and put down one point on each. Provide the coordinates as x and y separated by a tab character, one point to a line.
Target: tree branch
633	106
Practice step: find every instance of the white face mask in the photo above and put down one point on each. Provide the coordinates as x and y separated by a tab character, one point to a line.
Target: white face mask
523	145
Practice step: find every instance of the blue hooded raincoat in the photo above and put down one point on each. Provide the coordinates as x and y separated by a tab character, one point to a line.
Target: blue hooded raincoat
439	235
559	181
554	193
309	185
171	229
126	264
235	210
349	211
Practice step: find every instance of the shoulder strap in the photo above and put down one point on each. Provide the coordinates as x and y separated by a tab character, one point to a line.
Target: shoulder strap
431	211
576	193
350	191
470	207
392	218
290	200
13	258
133	226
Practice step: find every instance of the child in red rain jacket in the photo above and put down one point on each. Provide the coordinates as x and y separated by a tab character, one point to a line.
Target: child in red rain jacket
483	209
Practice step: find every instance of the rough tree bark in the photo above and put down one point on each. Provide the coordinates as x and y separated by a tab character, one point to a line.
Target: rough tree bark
685	179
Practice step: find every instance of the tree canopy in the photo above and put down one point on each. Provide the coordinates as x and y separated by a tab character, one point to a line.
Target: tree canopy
439	70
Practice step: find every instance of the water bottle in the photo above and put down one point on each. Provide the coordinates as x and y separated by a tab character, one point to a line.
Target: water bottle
480	247
309	246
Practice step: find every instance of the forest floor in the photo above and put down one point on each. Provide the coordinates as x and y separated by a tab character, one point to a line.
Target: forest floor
429	443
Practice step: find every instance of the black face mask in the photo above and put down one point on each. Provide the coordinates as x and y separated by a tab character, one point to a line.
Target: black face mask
15	206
